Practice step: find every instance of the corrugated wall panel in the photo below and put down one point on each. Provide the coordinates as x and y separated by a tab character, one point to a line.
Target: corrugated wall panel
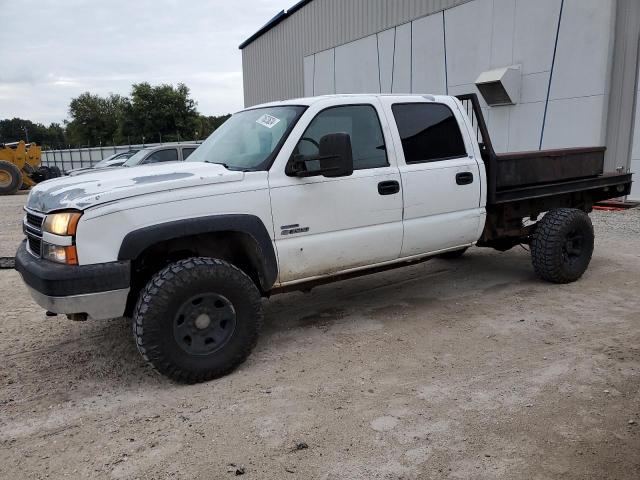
272	65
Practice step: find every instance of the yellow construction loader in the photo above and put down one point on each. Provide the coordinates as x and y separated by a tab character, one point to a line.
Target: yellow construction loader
20	167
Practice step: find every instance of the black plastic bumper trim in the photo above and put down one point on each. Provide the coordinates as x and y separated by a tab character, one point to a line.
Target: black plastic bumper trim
59	280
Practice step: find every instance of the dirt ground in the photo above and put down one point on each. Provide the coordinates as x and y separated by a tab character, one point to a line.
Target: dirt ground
469	369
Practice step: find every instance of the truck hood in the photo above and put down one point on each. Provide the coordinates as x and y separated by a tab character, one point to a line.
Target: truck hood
91	189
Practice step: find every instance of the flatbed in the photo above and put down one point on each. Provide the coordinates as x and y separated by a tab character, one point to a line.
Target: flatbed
524	185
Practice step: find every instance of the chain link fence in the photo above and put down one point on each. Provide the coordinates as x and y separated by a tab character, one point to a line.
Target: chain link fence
68	159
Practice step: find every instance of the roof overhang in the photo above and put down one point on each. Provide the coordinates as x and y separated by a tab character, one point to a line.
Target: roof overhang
284	14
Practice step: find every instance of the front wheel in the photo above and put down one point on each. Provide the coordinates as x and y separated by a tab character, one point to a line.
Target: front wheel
197	319
562	245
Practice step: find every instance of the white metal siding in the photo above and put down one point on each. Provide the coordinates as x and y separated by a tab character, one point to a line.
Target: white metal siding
272	64
578	69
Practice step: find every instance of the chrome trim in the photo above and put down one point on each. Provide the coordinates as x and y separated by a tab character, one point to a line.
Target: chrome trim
53	239
99	306
33	231
37	255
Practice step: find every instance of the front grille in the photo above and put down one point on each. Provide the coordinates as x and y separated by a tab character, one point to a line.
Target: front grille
33	230
35	220
35	245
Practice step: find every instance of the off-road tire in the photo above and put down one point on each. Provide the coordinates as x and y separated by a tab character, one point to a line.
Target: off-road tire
13	178
42	173
169	291
454	254
556	255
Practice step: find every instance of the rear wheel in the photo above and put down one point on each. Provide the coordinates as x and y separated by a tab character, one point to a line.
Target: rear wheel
197	319
10	178
562	245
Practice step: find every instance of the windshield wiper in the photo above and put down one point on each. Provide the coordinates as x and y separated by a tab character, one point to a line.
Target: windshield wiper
233	169
218	163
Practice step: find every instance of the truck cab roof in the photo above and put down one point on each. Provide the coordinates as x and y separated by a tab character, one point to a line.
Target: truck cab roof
308	101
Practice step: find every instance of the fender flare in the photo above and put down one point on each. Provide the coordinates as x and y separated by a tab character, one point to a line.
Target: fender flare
136	241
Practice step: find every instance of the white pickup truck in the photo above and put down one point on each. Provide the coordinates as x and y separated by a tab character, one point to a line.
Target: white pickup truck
291	194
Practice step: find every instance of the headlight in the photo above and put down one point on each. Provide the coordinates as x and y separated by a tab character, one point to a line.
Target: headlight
58	242
64	223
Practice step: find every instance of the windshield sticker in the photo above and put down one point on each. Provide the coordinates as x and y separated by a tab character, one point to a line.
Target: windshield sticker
268	121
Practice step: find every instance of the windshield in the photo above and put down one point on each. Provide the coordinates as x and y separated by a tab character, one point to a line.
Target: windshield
249	138
136	158
110	161
103	163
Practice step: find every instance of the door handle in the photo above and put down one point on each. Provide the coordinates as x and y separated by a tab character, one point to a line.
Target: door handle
388	188
464	178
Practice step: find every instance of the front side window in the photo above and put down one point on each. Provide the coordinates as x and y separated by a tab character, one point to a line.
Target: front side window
248	140
429	132
168	155
363	126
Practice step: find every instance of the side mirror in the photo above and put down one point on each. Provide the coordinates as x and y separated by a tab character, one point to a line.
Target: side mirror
334	159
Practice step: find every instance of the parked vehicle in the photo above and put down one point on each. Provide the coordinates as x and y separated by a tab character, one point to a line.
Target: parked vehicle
115	160
149	155
290	195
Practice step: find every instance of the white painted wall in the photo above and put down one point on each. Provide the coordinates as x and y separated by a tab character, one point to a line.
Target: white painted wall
578	97
445	52
635	155
365	78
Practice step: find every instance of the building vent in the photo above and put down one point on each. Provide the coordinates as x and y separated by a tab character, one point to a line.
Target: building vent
500	86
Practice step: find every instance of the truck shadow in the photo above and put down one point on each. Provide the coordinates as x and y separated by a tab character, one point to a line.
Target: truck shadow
383	296
71	356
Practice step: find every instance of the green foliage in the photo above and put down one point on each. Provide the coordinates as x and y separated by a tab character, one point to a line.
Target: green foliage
207	125
16	129
162	110
96	120
149	115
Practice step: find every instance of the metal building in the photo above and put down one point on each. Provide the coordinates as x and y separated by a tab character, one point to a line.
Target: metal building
553	73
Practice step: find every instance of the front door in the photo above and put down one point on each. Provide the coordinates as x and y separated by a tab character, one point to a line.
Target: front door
326	225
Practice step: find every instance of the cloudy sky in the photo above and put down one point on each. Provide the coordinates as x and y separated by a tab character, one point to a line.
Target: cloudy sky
53	50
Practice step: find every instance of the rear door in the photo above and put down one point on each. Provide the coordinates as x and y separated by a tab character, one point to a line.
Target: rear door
440	176
327	225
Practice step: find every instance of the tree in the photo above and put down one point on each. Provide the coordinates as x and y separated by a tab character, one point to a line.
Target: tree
152	114
96	120
16	129
206	125
162	111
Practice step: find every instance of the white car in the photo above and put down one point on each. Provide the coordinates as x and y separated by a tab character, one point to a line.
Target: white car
145	156
289	195
115	160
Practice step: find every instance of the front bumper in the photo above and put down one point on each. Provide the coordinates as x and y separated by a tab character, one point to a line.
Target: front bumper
98	290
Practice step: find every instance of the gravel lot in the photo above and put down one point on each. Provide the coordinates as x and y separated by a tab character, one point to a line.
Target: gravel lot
452	369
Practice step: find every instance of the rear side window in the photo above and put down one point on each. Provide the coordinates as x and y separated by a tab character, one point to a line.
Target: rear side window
169	155
429	132
186	152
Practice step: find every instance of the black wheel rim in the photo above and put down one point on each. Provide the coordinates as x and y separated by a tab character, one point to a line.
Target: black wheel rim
573	247
204	323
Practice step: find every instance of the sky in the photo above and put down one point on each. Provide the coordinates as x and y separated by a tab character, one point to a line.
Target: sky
54	50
